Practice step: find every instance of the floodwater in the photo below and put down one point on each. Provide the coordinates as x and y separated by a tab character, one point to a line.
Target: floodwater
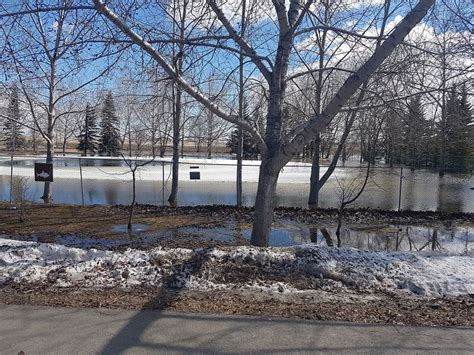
457	240
106	182
136	229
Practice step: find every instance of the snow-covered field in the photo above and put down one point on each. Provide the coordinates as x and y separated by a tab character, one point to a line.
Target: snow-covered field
207	269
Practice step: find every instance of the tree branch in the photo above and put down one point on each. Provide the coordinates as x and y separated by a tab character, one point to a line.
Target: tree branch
195	93
350	86
246	47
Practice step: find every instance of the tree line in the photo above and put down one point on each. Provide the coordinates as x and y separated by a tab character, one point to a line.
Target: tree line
92	138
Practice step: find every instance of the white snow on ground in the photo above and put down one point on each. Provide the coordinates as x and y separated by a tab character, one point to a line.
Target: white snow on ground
424	274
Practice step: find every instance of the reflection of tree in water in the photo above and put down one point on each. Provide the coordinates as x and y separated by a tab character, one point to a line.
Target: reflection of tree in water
313	235
408	194
92	194
4	187
450	194
111	194
395	238
432	242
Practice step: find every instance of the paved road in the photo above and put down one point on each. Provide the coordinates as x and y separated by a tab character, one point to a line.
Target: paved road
47	330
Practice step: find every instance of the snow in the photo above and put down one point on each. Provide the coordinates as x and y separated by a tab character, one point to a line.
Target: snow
426	274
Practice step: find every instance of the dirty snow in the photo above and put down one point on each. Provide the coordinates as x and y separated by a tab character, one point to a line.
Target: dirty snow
427	274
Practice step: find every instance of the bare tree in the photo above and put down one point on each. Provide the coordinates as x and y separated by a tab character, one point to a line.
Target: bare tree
134	164
49	50
350	191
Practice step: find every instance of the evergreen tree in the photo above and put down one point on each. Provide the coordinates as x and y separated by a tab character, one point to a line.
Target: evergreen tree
415	132
88	138
13	134
250	149
109	134
458	129
392	138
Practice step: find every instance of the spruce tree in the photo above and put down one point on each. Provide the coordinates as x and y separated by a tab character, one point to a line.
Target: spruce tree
250	149
415	131
88	138
109	134
13	134
466	113
458	132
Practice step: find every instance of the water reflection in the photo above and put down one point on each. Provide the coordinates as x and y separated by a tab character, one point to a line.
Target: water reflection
421	191
458	240
455	241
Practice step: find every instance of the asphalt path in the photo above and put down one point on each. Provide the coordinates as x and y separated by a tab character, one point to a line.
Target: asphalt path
55	330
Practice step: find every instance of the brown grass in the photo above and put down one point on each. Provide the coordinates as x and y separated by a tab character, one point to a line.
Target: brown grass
91	220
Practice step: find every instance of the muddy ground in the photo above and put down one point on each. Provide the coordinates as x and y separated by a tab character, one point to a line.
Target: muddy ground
44	223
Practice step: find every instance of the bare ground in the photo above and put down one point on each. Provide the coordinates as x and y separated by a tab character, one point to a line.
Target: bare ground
455	311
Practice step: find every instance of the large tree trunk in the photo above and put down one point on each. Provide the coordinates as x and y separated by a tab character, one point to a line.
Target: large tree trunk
264	204
313	200
178	67
47	196
172	199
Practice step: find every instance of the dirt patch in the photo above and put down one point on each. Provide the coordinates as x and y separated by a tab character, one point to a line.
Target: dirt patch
47	221
455	311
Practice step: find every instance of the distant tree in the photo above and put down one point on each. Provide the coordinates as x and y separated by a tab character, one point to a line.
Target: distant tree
13	134
392	138
250	148
88	138
458	132
415	128
109	134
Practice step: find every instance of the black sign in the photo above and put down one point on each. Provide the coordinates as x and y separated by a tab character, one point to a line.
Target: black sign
194	175
44	172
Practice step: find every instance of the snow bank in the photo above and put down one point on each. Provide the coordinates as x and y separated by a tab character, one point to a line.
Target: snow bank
216	268
428	274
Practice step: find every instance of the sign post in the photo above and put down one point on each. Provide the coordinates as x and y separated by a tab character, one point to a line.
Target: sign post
44	172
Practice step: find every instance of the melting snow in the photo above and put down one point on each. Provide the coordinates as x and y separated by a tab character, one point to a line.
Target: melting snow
428	274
